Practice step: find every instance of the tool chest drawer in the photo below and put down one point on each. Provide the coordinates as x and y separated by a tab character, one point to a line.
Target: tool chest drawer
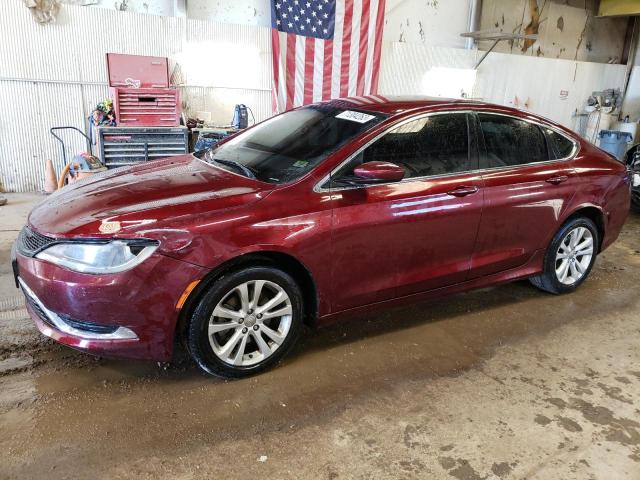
146	106
120	146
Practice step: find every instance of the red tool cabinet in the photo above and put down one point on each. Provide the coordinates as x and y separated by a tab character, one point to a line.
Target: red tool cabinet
140	91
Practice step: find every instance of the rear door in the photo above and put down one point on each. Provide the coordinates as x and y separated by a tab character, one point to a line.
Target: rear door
414	235
528	182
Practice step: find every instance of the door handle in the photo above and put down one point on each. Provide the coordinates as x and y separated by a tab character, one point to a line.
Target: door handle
558	179
463	191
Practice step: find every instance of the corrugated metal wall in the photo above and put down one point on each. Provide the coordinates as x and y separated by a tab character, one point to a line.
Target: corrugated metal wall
54	75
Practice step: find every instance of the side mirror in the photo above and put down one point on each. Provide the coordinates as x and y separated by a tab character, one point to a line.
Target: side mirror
379	172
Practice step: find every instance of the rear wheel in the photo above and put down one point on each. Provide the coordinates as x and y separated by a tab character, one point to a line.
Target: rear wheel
635	199
246	322
569	258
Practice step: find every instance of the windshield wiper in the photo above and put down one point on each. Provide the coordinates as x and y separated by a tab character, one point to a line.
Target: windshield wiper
243	168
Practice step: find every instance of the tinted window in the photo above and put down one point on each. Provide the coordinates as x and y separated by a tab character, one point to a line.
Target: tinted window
433	145
510	141
561	146
287	146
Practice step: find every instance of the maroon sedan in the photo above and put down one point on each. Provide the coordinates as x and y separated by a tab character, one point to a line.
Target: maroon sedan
325	210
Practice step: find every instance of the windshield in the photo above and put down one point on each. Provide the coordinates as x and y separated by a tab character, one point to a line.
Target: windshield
285	147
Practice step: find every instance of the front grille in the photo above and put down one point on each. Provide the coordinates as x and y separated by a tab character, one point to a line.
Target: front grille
29	242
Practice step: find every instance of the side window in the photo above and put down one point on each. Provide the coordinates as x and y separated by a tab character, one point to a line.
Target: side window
510	141
431	145
560	146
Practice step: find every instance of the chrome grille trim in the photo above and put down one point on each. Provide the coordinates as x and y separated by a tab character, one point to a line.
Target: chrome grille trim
54	320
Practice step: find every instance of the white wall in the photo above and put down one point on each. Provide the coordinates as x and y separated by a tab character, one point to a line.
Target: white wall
567	29
427	22
153	7
241	12
511	80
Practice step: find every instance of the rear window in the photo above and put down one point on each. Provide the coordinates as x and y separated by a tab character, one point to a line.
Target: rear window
286	147
510	141
561	146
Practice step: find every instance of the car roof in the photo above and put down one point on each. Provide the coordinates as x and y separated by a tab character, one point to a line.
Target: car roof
398	104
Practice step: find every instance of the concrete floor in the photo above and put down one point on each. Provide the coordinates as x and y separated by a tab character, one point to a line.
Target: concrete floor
505	382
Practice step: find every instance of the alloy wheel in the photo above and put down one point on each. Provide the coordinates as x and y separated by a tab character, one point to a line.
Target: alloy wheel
574	255
250	323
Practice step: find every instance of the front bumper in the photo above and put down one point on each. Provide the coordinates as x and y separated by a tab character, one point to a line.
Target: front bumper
130	314
90	332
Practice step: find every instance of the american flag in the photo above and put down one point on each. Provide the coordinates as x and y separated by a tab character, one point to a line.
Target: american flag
324	49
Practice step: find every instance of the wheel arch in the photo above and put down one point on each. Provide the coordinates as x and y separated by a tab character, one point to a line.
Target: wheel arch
272	258
593	213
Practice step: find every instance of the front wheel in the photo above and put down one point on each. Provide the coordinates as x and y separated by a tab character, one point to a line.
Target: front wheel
569	258
246	322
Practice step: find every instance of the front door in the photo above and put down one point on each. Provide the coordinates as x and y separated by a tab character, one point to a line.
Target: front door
414	235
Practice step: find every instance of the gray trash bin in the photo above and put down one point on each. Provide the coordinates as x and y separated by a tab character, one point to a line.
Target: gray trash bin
615	142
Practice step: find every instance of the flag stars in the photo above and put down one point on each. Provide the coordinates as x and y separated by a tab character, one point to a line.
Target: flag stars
290	9
290	25
296	18
278	6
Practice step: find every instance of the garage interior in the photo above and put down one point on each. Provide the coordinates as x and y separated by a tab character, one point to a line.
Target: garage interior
505	382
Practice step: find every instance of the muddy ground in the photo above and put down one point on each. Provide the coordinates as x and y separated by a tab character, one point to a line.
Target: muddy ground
505	382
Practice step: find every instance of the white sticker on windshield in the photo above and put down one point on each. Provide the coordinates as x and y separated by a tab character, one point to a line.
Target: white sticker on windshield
355	116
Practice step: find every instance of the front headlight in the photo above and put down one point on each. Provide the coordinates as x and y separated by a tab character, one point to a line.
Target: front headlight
99	258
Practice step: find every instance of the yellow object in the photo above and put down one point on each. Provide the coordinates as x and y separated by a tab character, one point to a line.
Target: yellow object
185	294
63	175
612	8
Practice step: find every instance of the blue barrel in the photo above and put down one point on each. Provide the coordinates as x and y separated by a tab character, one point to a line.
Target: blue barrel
615	142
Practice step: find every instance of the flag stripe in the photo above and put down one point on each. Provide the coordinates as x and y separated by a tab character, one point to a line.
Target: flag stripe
346	48
291	69
364	42
298	95
327	70
373	33
354	51
377	46
275	46
337	50
309	60
318	70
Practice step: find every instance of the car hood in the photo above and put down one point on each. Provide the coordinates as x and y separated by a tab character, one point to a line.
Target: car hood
143	197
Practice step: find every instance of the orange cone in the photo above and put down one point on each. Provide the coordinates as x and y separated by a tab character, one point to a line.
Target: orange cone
50	178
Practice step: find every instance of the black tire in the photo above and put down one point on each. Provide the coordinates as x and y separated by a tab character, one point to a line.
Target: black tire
635	199
197	332
548	280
